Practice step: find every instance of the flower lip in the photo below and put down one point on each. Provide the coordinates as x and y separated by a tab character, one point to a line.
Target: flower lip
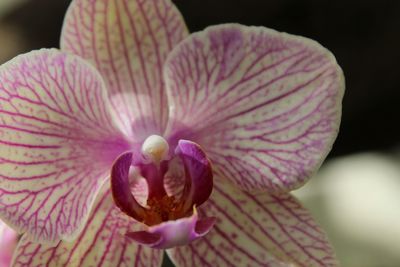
160	206
146	238
174	233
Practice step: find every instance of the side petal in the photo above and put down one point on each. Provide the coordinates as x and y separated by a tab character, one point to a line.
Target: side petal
101	243
127	41
57	143
199	175
8	242
265	105
256	230
121	190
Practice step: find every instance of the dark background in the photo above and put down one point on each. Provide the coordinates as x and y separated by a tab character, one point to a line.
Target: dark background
363	35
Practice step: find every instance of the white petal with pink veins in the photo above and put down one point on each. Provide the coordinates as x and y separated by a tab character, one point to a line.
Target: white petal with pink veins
57	143
264	105
128	41
101	243
256	230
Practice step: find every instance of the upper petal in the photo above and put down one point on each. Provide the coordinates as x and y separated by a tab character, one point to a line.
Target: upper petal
101	243
128	41
57	143
256	230
264	105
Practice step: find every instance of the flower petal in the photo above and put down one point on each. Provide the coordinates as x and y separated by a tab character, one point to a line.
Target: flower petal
57	143
128	41
121	189
101	243
8	242
256	230
264	105
199	176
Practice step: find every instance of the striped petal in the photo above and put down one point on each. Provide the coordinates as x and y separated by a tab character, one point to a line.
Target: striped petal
128	41
57	143
101	243
8	242
256	230
265	105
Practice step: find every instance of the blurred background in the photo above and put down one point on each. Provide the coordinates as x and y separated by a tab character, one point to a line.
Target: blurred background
356	195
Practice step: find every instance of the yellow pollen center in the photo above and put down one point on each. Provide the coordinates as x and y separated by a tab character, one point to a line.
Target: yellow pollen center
160	210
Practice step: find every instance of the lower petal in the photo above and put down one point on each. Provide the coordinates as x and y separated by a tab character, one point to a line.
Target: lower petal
256	230
101	243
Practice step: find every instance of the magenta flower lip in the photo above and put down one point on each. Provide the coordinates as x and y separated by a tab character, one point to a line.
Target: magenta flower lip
111	144
174	233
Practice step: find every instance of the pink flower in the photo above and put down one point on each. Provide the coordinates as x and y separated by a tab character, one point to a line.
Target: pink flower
137	136
8	242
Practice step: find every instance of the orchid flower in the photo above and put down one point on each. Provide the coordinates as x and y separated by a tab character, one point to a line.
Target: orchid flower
136	137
